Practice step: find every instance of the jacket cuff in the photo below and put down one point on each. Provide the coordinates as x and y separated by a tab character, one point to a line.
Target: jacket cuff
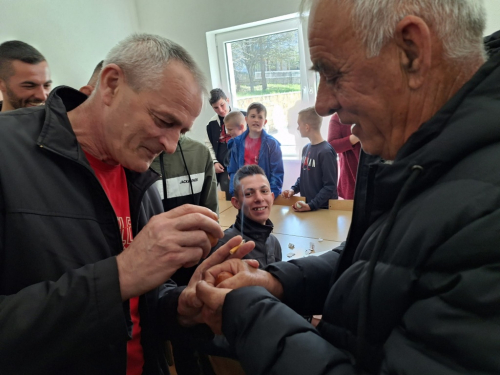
108	300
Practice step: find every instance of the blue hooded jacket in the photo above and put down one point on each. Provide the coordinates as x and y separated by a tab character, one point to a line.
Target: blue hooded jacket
270	160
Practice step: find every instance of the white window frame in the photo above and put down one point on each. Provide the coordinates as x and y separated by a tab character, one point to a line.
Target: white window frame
217	53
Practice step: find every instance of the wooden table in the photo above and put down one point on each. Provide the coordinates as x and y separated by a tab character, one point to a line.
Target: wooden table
325	229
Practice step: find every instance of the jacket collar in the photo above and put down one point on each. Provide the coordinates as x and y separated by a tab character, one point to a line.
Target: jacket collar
466	123
253	230
57	134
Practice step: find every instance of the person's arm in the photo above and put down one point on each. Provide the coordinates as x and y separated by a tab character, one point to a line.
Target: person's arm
329	176
209	190
48	321
233	165
336	137
292	345
277	170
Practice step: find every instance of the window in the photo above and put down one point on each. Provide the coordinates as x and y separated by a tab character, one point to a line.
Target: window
266	62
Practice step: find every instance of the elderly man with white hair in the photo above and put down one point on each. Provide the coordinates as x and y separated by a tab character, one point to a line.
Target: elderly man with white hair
417	288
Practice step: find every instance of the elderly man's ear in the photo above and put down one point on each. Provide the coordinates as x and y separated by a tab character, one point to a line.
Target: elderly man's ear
415	41
87	89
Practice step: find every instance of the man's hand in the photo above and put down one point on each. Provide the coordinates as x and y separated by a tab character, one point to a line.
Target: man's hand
303	207
189	307
288	193
245	274
218	168
174	239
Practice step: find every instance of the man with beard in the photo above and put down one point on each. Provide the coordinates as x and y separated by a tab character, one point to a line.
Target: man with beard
24	76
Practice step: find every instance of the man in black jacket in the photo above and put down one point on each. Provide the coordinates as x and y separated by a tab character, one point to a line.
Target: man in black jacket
77	295
416	288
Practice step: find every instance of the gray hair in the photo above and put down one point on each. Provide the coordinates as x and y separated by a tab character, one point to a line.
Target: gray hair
143	57
459	24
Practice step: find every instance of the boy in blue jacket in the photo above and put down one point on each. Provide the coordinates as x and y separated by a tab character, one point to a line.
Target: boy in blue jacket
255	146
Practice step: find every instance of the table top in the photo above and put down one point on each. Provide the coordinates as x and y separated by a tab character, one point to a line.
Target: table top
329	225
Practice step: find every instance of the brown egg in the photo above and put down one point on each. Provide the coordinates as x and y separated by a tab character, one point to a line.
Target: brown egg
212	239
224	275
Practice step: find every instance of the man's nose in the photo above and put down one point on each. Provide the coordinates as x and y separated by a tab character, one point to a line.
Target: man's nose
326	100
41	93
169	142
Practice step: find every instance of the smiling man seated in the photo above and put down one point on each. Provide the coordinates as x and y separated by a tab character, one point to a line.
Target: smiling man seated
253	199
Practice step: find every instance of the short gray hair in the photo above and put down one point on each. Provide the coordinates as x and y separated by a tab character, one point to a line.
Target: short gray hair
143	57
459	24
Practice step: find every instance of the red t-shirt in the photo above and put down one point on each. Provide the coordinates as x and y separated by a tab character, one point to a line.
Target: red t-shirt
252	149
114	183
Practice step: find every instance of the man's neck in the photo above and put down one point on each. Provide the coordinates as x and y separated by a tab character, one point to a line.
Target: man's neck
315	138
87	130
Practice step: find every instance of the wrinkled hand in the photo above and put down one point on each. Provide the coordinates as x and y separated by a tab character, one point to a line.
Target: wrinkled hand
245	274
287	193
303	207
189	306
174	239
218	168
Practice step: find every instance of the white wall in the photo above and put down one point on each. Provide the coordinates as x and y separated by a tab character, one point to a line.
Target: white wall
72	35
186	22
493	14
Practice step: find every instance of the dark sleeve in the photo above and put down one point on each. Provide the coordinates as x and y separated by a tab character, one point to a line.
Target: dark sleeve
337	140
306	281
277	171
296	186
329	176
169	327
291	344
48	321
233	164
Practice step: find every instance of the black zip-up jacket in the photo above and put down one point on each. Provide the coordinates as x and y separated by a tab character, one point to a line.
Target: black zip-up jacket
417	290
267	247
60	305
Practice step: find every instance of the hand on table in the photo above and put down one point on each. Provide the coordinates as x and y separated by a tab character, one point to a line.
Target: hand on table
190	306
287	193
245	274
218	168
174	239
303	207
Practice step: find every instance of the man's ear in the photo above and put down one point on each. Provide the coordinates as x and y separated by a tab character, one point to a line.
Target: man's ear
235	202
246	119
87	89
265	122
273	198
414	39
3	88
111	78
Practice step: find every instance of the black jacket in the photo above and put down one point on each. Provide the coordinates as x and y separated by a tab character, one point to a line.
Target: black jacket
431	305
267	247
60	305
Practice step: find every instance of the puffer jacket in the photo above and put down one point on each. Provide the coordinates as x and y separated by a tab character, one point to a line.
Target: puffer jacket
60	305
416	291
